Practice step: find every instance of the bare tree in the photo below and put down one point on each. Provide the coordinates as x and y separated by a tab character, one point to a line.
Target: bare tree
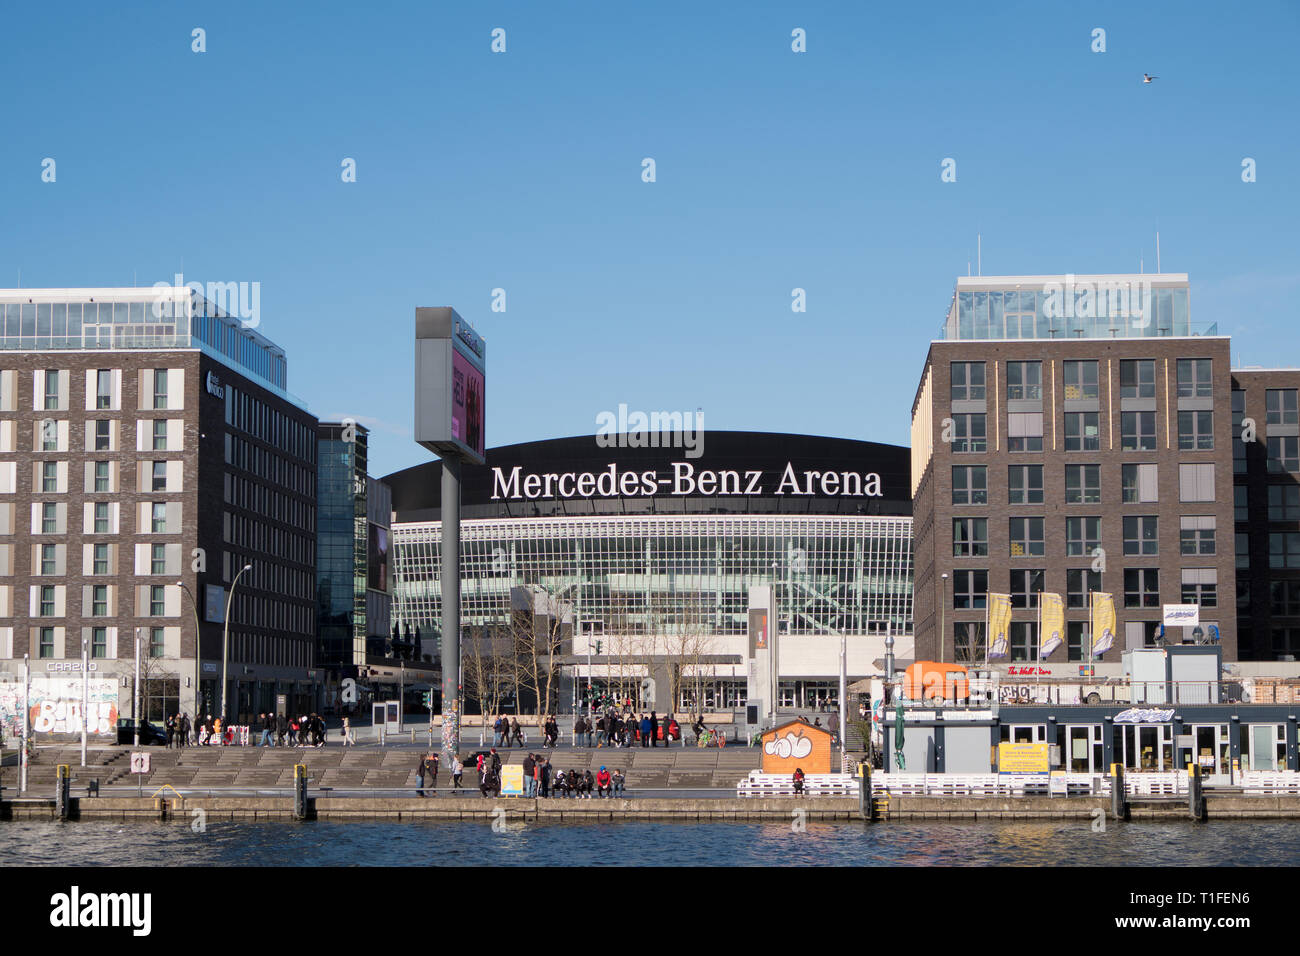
539	624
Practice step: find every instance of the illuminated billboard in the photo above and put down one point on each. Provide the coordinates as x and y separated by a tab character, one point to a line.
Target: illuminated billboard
450	385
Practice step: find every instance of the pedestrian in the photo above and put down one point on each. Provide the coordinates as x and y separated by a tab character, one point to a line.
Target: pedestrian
654	730
419	775
600	731
457	769
348	739
798	780
281	729
268	723
171	730
530	765
544	777
645	731
293	731
603	783
516	732
431	765
496	732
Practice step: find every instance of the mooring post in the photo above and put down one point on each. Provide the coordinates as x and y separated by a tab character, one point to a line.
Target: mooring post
1195	792
1118	798
299	792
865	806
62	787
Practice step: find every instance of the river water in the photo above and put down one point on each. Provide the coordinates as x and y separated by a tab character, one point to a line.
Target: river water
1226	843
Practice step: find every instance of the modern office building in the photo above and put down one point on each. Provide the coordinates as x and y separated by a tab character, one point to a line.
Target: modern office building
1072	434
353	561
655	553
147	440
1266	511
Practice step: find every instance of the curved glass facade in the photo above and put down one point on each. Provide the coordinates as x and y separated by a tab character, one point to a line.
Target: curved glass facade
646	574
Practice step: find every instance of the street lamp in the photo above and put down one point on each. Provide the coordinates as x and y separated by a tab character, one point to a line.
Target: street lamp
194	606
135	703
225	639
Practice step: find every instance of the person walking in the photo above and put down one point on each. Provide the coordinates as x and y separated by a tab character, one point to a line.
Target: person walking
516	732
171	730
268	724
578	727
544	776
281	729
431	765
654	730
645	731
457	769
348	739
419	775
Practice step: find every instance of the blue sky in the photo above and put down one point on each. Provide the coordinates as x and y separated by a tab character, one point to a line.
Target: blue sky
522	170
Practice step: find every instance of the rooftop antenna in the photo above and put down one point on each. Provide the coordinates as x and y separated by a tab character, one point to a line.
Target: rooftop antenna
979	255
1158	252
1141	266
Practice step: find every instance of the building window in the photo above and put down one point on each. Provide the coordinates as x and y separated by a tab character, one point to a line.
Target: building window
1240	504
49	559
49	435
1200	586
101	517
47	642
1196	431
101	476
158	559
1024	380
1139	484
1082	484
159	476
103	388
49	476
1026	537
969	589
1082	433
1137	378
99	642
99	559
1194	378
1281	406
1080	380
970	537
1023	640
1082	535
1141	587
1283	502
967	381
1283	454
157	600
1137	431
1025	431
1026	583
160	434
968	640
103	432
1196	482
159	512
1078	582
970	485
1284	549
99	600
1196	534
1074	640
52	389
49	518
1025	484
1284	598
160	388
157	642
47	601
1140	535
969	433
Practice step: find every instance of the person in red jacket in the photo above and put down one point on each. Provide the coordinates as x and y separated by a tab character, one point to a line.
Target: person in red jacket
603	782
798	780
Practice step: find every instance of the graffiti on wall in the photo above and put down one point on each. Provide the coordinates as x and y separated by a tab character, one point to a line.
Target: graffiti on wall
54	706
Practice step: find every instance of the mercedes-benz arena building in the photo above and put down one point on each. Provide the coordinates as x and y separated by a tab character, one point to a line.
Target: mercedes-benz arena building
655	550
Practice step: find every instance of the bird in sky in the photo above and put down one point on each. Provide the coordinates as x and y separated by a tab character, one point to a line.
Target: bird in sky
1147	77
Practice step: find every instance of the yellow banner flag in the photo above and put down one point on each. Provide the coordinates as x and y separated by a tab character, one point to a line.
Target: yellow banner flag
1103	622
1051	631
999	624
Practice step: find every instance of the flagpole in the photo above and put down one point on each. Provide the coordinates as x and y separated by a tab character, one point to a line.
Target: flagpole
1037	668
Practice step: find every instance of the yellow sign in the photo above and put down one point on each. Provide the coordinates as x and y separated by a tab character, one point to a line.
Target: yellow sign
1023	758
512	780
999	623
